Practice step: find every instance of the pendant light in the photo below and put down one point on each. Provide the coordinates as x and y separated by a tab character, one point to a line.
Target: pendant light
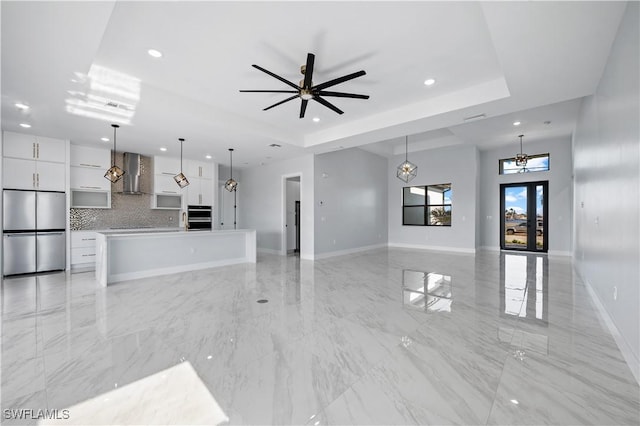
521	159
407	170
231	185
114	173
180	178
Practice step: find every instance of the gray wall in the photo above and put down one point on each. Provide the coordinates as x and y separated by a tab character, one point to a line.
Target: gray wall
261	193
606	167
457	165
350	201
560	191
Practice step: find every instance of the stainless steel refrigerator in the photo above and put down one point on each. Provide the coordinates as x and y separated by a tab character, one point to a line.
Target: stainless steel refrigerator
34	237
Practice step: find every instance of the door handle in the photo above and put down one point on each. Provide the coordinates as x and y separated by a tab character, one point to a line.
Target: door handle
38	179
33	147
38	150
33	176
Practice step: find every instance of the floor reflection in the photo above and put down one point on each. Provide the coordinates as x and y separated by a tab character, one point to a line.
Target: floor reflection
426	291
524	292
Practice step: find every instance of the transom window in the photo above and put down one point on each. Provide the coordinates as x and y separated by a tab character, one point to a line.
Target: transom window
535	163
428	205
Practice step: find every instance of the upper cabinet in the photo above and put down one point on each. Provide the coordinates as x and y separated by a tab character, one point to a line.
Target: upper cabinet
166	166
29	147
89	188
33	162
90	157
200	190
199	169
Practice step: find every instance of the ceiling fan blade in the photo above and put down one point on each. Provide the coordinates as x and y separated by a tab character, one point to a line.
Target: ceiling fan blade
285	81
341	95
327	104
338	80
281	102
269	91
303	107
308	72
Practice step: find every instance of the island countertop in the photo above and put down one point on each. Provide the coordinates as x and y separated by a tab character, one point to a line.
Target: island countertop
130	254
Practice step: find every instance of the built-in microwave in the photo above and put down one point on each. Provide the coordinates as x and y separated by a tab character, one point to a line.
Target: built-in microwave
199	217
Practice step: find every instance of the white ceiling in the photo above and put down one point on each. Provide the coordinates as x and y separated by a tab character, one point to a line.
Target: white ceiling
525	61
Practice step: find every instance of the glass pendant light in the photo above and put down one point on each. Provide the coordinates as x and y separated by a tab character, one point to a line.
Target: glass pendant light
521	159
180	178
407	170
114	173
231	185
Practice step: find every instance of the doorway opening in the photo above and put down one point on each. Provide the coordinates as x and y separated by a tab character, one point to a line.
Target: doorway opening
525	209
292	216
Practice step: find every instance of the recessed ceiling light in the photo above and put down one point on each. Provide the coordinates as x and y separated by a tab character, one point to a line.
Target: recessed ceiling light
208	157
514	401
430	82
516	123
316	119
163	149
104	139
22	106
25	125
154	53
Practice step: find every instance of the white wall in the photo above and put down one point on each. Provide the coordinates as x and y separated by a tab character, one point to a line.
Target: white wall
457	165
560	191
350	201
606	167
293	194
262	194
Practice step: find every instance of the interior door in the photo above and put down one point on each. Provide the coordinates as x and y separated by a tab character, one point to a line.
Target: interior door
524	208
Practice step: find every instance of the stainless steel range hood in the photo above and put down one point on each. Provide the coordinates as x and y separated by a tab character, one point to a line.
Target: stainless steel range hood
131	178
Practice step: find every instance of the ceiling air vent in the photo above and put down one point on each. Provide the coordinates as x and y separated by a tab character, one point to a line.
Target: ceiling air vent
475	117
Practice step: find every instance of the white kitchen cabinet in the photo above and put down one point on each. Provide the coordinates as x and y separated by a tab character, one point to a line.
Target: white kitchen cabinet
29	174
90	157
89	188
200	192
89	178
29	147
165	184
167	166
198	169
83	249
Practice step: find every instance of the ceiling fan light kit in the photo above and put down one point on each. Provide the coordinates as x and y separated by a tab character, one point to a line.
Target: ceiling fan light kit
306	91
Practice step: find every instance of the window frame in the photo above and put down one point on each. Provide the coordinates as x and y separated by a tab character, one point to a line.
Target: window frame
427	206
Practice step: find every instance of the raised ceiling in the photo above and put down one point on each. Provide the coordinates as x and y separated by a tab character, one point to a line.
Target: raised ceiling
525	61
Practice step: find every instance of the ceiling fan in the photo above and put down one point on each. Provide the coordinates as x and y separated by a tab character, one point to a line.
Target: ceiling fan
306	91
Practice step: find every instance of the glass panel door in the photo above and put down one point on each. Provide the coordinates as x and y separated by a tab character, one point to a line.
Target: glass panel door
524	211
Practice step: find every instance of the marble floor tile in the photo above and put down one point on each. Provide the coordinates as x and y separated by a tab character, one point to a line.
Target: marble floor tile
343	340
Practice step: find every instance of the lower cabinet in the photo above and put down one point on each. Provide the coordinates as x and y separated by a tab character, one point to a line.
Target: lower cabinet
83	250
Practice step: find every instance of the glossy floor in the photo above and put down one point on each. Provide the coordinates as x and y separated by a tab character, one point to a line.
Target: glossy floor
389	336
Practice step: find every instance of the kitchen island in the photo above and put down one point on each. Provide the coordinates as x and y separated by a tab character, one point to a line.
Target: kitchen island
122	256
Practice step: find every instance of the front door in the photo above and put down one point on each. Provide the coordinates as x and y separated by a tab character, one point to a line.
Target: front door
524	210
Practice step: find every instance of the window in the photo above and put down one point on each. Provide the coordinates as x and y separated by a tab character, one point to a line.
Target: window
428	205
535	163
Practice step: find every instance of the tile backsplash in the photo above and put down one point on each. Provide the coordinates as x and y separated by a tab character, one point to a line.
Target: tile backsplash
127	211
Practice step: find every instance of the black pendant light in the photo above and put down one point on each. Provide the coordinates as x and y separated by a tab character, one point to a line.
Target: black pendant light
114	173
521	159
180	178
407	170
231	185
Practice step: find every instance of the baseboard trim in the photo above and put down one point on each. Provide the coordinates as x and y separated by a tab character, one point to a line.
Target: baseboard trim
629	356
559	253
268	251
348	251
490	248
436	248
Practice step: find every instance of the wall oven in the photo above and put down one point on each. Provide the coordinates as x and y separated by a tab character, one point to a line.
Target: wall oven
199	218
